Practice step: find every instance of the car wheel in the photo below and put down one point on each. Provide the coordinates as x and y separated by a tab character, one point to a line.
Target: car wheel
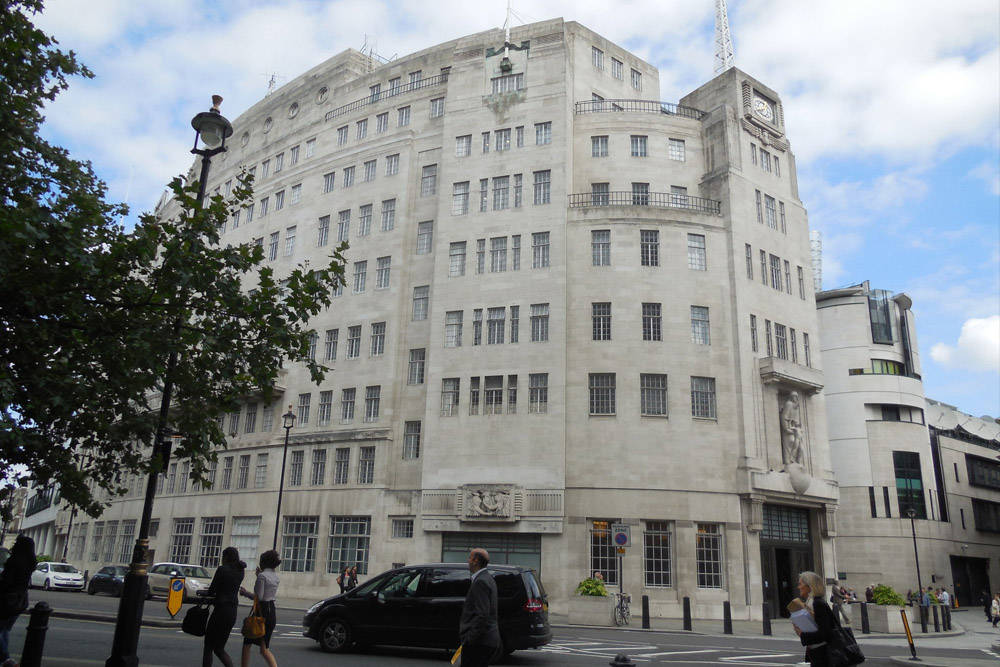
90	590
46	585
335	635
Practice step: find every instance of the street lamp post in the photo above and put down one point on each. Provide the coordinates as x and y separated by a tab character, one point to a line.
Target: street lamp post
213	129
912	513
287	422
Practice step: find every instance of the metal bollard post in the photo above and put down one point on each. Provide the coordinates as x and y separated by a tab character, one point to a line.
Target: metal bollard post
34	638
767	620
923	619
645	612
727	618
947	618
621	660
865	627
687	613
937	625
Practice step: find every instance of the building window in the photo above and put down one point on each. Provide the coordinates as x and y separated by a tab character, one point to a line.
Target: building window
493	395
676	149
402	528
703	397
360	275
543	186
775	272
250	423
342	133
909	484
543	134
298	543
678	196
781	208
503	139
599	195
227	476
260	473
603	557
428	180
373	402
501	192
362	128
601	320
249	219
245	537
792	345
649	247
653	392
597	57
753	333
341	465
416	372
772	218
437	107
600	247
696	252
640	194
985	515
708	554
348	176
411	440
656	554
652	322
325	413
767	337
760	212
507	84
295	469
515	323
403	117
636	79
343	226
599	146
699	326
982	472
347	400
639	146
350	543
749	260
425	237
453	329
365	220
421	298
354	342
392	164
243	475
456	259
450	388
617	69
264	202
486	142
460	198
370	169
180	540
317	475
378	339
463	145
323	236
289	241
781	341
293	155
802	283
538	393
602	393
382	122
382	269
540	250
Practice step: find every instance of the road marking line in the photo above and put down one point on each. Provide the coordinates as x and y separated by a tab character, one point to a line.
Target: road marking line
757	657
653	655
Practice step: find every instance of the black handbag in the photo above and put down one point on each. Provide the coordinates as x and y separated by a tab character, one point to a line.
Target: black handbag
842	649
196	620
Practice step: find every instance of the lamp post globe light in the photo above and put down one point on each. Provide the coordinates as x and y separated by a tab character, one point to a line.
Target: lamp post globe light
287	422
213	129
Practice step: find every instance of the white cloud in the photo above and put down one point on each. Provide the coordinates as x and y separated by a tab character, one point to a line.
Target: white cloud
988	173
977	349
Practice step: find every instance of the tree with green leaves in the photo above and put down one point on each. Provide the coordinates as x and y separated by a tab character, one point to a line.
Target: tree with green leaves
90	312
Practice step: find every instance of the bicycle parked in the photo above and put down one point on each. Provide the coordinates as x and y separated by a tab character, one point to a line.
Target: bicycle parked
622	613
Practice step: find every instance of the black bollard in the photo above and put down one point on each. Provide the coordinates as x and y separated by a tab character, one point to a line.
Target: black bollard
34	638
727	618
937	625
687	613
621	660
923	619
946	614
767	620
865	628
645	612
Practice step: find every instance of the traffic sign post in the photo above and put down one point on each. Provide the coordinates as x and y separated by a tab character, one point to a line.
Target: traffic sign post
175	596
622	537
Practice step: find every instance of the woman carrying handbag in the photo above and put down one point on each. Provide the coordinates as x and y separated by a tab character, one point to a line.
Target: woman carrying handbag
265	590
830	645
222	594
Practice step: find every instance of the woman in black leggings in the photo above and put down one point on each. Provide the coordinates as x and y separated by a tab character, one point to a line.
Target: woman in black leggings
223	596
265	589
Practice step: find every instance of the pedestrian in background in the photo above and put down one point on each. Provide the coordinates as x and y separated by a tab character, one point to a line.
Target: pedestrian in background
223	595
14	583
344	579
838	598
265	589
353	583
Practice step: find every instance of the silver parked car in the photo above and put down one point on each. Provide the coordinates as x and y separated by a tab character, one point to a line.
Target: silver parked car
196	578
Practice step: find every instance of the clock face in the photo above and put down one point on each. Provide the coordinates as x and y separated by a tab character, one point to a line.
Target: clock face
763	108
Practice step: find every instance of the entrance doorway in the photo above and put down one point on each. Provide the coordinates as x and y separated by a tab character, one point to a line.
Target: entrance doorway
504	548
785	550
971	577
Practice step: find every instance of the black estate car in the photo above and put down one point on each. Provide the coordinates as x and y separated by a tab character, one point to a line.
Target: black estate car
420	605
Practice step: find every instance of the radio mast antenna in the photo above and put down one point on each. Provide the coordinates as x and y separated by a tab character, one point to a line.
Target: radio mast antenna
723	42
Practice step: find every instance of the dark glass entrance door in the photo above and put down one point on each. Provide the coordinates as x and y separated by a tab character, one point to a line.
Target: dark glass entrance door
785	550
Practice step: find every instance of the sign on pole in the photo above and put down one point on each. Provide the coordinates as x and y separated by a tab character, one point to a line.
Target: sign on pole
175	596
621	535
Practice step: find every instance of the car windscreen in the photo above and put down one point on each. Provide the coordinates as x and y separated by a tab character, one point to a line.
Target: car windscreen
198	572
62	567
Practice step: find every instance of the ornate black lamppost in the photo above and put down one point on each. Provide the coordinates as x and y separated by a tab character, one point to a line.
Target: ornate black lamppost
912	513
213	129
287	422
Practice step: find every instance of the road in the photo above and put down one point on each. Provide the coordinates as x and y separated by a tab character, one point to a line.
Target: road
78	643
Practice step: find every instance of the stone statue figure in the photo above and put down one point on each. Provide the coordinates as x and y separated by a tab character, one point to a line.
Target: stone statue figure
488	502
791	431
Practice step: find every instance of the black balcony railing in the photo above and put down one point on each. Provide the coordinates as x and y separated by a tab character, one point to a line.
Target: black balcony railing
640	106
654	199
372	98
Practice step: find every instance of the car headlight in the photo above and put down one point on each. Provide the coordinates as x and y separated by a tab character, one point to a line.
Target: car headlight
313	609
194	583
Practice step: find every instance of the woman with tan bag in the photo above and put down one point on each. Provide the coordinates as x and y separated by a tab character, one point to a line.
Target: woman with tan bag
265	590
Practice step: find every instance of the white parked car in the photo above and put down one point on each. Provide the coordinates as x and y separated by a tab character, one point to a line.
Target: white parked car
58	576
196	578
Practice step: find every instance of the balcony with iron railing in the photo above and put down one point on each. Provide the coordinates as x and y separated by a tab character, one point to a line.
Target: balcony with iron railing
651	199
638	106
372	98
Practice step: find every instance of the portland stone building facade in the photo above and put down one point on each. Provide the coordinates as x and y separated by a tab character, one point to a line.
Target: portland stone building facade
569	306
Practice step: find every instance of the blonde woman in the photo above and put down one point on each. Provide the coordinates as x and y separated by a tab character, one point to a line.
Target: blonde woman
812	590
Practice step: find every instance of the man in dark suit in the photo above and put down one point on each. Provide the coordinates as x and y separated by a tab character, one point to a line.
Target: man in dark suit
478	626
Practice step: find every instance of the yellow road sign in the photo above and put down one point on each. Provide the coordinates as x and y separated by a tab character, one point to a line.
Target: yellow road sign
175	596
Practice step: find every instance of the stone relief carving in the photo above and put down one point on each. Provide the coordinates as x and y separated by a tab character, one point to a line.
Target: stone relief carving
791	430
488	502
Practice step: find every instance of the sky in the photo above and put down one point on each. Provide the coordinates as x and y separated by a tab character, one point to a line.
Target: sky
892	109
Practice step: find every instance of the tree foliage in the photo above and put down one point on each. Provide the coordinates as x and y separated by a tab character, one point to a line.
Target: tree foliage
90	313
